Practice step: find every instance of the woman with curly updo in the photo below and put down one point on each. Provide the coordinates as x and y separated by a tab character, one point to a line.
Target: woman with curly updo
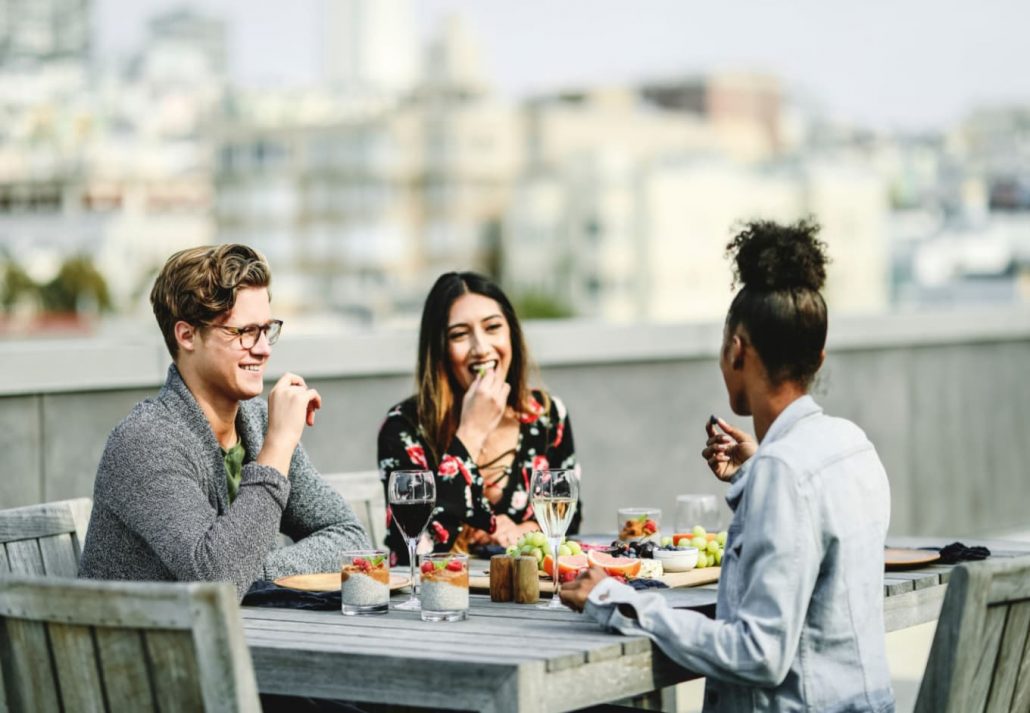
799	619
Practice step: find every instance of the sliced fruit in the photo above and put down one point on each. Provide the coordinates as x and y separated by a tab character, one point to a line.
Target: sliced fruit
621	566
572	563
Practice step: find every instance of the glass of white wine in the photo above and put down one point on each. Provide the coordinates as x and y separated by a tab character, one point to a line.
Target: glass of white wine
554	493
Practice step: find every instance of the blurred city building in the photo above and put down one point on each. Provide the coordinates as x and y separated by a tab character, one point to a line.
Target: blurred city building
607	201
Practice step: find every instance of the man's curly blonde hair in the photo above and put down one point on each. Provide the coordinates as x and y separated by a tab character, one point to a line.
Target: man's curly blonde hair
199	285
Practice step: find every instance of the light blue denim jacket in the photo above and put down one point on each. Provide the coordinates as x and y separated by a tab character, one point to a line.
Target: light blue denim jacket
799	619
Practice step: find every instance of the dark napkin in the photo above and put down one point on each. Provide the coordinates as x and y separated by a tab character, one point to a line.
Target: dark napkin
957	552
640	584
486	551
269	594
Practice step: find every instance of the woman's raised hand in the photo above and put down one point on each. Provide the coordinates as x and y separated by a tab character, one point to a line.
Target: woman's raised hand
725	452
482	409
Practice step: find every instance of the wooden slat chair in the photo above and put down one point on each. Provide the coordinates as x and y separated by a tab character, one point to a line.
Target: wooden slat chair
86	645
363	491
44	539
980	657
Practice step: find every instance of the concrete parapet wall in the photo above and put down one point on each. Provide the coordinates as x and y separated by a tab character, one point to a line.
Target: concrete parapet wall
945	398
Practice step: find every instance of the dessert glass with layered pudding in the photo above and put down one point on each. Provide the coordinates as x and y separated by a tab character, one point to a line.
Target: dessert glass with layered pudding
640	524
364	582
445	587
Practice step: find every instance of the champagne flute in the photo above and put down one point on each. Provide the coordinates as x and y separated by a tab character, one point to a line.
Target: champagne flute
412	501
554	493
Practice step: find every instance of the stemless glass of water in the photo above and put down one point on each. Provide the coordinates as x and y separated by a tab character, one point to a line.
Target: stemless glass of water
693	510
412	501
554	493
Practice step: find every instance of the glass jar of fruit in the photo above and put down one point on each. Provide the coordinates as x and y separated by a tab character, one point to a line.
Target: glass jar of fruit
640	524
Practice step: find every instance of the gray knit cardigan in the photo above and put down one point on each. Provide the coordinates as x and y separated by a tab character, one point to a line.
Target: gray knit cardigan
161	510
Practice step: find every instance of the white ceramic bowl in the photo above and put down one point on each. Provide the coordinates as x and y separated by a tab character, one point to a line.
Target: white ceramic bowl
681	560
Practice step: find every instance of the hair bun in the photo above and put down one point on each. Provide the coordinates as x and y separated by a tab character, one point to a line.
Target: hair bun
772	257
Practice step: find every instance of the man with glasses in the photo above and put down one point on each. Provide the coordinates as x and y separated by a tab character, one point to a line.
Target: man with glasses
197	482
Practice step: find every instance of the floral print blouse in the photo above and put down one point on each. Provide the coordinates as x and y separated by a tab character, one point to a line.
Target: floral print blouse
545	438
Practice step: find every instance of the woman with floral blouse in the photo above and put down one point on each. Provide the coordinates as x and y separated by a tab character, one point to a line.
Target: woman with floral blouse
474	421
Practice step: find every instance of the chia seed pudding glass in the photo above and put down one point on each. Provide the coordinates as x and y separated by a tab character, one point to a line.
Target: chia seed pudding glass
445	587
364	582
640	524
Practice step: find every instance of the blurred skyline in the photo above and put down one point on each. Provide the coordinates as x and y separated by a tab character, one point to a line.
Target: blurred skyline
911	66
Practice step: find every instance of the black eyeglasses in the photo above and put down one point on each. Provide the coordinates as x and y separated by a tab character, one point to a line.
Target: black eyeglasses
249	335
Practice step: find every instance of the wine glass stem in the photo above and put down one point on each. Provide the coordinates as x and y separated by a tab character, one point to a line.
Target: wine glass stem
555	544
412	544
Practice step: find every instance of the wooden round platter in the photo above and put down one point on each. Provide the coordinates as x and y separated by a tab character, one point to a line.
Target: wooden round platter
329	581
898	558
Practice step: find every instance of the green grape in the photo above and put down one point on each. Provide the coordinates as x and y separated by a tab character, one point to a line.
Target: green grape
699	531
721	538
666	541
512	551
539	553
527	549
564	551
713	547
700	543
539	540
702	561
718	558
575	548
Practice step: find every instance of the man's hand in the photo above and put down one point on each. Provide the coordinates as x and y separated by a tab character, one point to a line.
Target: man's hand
574	594
291	405
725	452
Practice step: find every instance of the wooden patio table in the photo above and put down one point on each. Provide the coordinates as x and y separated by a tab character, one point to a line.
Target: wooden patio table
511	657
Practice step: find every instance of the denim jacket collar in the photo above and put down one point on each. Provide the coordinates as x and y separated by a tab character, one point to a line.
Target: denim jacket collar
798	409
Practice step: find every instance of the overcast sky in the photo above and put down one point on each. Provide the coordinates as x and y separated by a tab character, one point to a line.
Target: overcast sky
887	63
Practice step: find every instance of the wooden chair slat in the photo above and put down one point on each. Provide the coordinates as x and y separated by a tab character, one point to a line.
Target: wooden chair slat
363	491
74	656
24	557
983	672
1010	658
123	665
138	605
173	670
225	657
60	555
44	539
980	657
1009	587
35	521
4	566
1021	696
28	678
145	651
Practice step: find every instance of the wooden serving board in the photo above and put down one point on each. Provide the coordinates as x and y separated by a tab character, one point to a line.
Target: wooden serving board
693	578
329	581
898	558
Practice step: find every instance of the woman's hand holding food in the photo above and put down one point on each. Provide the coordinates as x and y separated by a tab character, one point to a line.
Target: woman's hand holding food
482	409
725	452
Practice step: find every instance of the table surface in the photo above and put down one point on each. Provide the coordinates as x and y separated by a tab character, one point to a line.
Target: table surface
511	657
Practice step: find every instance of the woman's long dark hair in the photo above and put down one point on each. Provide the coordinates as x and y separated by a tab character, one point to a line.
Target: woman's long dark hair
438	397
782	269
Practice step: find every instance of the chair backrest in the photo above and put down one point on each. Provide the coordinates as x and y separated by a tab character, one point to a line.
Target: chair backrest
44	539
78	645
980	658
363	491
